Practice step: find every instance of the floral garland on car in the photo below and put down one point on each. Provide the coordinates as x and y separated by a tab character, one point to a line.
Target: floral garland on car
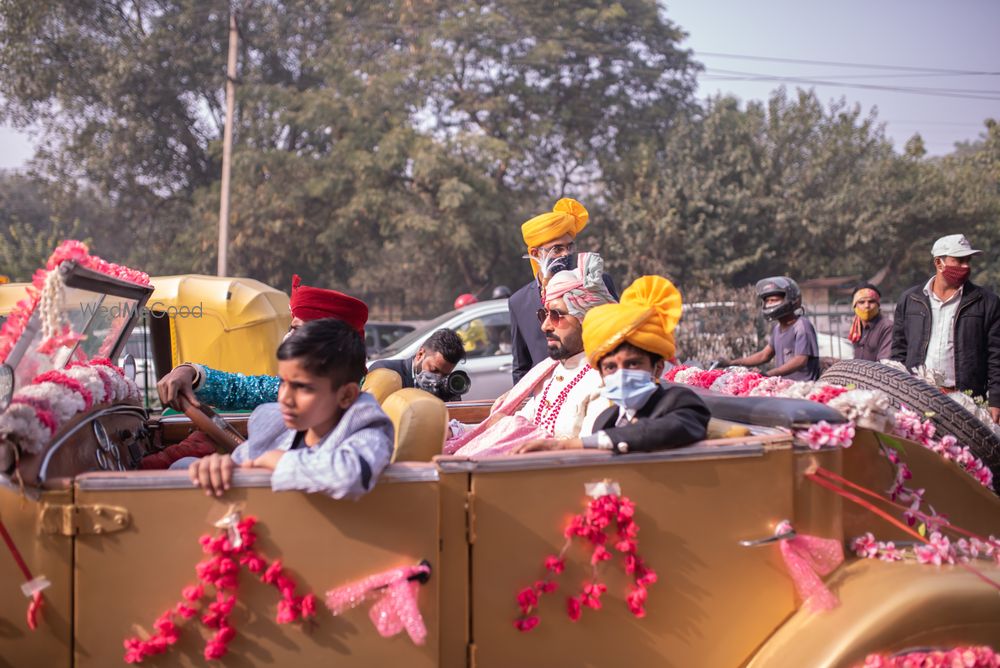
45	292
606	508
866	408
960	657
228	552
39	410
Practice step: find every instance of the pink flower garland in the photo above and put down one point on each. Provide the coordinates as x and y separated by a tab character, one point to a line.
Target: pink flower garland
220	572
940	550
601	513
824	434
67	250
959	657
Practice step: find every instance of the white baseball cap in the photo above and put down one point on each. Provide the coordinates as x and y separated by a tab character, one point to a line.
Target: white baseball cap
953	245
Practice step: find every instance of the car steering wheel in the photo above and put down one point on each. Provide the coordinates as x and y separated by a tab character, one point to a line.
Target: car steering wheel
205	419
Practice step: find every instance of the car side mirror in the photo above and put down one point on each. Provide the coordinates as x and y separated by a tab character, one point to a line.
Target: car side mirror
6	385
128	366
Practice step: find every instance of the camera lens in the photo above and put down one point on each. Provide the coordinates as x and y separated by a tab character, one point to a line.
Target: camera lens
459	383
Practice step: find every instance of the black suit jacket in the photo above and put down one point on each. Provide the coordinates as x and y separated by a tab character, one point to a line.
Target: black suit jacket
528	343
403	367
671	418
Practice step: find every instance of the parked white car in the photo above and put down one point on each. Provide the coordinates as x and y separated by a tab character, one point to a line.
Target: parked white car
485	328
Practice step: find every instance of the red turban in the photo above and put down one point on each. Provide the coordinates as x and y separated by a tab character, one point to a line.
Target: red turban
310	303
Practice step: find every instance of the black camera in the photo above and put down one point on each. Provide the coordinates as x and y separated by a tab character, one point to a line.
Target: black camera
447	388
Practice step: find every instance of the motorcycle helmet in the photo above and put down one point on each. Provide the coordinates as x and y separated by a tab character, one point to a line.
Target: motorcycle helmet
501	292
785	287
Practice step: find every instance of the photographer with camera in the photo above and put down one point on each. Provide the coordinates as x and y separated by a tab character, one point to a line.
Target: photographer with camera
433	367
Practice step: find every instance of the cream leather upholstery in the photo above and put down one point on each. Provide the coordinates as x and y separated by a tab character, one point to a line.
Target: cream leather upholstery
421	420
380	383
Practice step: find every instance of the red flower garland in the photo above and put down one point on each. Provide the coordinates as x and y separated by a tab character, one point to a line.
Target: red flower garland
220	571
601	513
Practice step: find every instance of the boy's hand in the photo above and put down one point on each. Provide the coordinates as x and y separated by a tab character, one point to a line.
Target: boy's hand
212	473
268	460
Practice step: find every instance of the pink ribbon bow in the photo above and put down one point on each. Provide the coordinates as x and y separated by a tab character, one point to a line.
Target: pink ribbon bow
807	558
396	606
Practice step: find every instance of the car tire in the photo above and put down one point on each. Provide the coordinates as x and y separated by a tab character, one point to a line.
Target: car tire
902	388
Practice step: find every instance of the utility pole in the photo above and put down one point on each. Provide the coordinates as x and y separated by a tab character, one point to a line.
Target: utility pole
227	142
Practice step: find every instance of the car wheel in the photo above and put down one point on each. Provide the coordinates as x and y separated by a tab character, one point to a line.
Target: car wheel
902	388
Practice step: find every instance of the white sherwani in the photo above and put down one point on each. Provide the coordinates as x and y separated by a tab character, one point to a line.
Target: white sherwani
575	413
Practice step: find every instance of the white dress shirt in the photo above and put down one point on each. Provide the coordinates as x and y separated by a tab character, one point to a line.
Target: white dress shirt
941	347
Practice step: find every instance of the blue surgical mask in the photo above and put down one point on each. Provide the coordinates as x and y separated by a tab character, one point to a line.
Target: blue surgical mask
629	388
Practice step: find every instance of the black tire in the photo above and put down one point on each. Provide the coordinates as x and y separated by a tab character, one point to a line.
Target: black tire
902	388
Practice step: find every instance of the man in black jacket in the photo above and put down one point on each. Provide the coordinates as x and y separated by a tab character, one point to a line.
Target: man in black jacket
550	239
434	361
952	326
627	343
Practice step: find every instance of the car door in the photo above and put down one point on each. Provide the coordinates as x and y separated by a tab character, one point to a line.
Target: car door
488	354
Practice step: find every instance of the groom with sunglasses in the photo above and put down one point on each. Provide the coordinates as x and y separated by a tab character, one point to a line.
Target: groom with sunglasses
560	396
550	239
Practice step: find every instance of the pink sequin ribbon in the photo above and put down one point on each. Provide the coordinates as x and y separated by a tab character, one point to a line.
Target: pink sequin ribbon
395	607
807	558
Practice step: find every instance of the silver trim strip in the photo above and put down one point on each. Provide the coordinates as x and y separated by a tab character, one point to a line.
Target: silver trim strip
145	480
558	459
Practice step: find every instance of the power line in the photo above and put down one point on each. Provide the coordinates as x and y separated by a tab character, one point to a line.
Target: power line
986	95
803	61
972	91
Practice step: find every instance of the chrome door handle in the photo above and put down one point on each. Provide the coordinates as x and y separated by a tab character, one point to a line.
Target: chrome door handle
506	367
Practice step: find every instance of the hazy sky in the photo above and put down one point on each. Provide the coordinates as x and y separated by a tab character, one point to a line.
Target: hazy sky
897	41
961	35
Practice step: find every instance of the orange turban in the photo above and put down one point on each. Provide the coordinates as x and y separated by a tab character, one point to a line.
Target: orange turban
567	217
645	317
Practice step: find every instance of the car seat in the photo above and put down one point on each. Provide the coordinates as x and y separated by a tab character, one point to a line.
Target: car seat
421	420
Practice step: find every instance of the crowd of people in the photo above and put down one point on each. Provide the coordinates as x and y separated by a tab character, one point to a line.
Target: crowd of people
586	366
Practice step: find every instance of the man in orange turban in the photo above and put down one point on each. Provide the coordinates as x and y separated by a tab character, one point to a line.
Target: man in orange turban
627	343
551	242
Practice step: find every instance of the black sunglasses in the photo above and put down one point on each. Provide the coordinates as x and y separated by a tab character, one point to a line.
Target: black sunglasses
552	314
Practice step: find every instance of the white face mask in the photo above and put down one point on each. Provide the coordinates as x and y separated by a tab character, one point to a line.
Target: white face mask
629	388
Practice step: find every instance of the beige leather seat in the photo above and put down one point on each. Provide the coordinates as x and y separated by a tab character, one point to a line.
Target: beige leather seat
380	383
420	420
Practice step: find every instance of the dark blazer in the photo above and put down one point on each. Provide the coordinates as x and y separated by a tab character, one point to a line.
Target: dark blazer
528	343
403	367
672	417
977	337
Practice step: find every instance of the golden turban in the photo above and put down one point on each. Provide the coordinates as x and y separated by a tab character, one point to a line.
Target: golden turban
567	217
645	317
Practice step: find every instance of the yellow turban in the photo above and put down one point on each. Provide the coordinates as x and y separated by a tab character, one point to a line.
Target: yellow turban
645	317
567	217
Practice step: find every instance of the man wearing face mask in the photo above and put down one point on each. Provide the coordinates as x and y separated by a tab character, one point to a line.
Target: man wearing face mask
951	325
429	369
550	239
871	332
627	343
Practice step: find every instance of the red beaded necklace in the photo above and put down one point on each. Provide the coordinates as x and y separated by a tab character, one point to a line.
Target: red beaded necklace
548	413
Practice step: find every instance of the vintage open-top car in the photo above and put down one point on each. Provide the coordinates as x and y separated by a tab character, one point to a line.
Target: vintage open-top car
717	523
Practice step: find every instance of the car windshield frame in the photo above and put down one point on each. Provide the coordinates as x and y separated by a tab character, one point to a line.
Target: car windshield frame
77	277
